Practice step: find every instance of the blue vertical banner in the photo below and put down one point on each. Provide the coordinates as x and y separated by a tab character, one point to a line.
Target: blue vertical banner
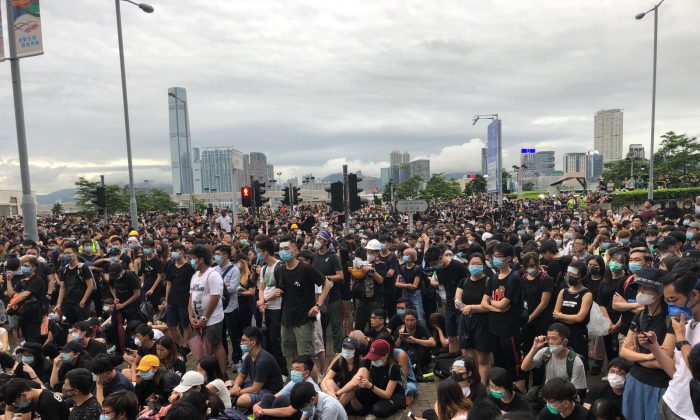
493	157
27	27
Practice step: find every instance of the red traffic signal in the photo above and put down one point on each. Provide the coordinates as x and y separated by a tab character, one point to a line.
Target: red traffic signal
246	199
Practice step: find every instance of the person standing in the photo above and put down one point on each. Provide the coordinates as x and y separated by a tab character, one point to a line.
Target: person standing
75	286
205	308
178	273
151	274
326	261
232	280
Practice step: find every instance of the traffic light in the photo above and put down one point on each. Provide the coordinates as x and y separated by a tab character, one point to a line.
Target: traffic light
246	198
100	200
355	201
295	195
259	194
336	201
287	199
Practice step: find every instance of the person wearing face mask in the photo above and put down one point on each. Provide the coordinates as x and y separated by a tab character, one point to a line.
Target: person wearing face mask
21	397
151	273
72	356
81	334
475	339
409	282
343	368
154	382
593	282
625	299
377	384
30	293
501	391
75	286
449	273
560	396
178	273
278	405
573	308
77	386
232	280
367	291
612	389
270	299
315	405
503	299
464	371
647	382
327	261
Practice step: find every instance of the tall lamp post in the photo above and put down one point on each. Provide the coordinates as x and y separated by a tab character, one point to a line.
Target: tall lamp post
191	207
655	9
132	192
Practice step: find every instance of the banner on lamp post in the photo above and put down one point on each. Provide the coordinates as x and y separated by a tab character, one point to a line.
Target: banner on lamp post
27	27
2	39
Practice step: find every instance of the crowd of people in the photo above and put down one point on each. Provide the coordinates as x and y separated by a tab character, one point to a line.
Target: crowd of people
536	309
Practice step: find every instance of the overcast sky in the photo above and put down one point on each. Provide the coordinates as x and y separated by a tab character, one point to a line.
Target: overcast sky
316	83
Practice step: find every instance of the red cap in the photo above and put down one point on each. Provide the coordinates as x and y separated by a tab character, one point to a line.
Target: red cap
378	349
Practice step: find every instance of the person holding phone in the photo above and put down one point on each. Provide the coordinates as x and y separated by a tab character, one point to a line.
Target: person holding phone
646	382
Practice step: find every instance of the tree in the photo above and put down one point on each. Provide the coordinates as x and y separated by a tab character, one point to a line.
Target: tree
677	158
622	169
386	194
409	188
528	186
84	192
475	186
118	198
376	201
57	209
437	188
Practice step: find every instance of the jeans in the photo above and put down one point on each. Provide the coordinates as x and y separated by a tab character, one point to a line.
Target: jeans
334	317
415	298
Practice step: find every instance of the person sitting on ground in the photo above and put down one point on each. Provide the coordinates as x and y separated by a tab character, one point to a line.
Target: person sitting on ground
414	338
503	394
72	356
343	368
612	389
260	374
315	404
169	356
81	334
20	396
121	405
209	367
560	396
154	383
109	380
78	386
279	404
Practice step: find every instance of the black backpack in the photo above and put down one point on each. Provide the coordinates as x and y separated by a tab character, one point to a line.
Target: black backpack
443	364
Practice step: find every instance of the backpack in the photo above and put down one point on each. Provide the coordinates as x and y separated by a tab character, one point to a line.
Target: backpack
79	273
225	295
443	364
570	359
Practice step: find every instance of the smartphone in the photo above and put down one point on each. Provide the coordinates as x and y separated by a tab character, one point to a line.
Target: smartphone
411	416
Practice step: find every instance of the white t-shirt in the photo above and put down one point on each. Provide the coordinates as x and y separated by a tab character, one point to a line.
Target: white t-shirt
272	303
222	392
327	408
202	288
225	223
677	395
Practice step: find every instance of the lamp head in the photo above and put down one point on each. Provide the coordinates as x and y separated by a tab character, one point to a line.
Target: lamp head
146	7
640	16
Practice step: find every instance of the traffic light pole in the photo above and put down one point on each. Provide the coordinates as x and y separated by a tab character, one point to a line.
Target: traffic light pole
253	192
346	199
104	211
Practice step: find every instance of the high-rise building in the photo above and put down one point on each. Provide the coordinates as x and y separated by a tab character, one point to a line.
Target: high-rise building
270	172
574	162
384	176
258	166
637	150
181	159
484	165
219	166
594	166
395	158
528	161
544	162
607	134
405	157
420	167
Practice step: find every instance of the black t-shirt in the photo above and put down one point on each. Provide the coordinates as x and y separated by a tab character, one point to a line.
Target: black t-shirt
150	269
82	361
124	287
421	333
263	369
408	275
342	376
388	287
450	276
606	292
661	325
180	278
579	413
557	268
51	406
503	324
380	376
95	348
74	283
88	410
518	403
143	350
571	305
533	296
361	288
593	286
299	292
328	264
472	293
37	287
628	292
605	392
43	271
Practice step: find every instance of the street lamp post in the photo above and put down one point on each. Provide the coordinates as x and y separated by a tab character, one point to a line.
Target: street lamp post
191	207
655	9
132	193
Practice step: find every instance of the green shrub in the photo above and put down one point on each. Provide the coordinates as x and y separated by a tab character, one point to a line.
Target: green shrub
660	194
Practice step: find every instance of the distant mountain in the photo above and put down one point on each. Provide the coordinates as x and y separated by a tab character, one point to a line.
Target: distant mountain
337	178
64	196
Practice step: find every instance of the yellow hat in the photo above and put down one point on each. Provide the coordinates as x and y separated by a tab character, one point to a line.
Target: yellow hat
147	362
294	226
133	233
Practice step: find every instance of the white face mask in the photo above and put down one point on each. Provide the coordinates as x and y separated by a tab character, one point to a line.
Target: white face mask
616	381
377	363
347	354
555	348
644	299
317	245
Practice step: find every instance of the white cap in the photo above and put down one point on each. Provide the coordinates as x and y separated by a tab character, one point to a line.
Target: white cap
189	379
373	245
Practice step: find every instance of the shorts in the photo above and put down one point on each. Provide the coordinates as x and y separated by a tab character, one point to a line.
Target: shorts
318	338
213	333
452	323
474	334
177	316
256	398
298	340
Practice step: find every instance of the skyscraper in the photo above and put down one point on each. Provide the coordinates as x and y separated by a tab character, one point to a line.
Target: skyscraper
607	134
219	166
574	162
637	150
544	162
395	158
181	159
420	167
594	166
405	157
258	166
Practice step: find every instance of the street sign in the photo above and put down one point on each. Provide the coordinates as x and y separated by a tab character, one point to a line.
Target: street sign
410	206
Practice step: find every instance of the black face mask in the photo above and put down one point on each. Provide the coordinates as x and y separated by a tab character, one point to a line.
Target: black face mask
594	270
573	281
458	377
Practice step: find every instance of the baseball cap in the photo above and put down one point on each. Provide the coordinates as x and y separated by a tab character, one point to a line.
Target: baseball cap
665	242
189	379
324	235
350	343
651	278
147	362
378	349
72	346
